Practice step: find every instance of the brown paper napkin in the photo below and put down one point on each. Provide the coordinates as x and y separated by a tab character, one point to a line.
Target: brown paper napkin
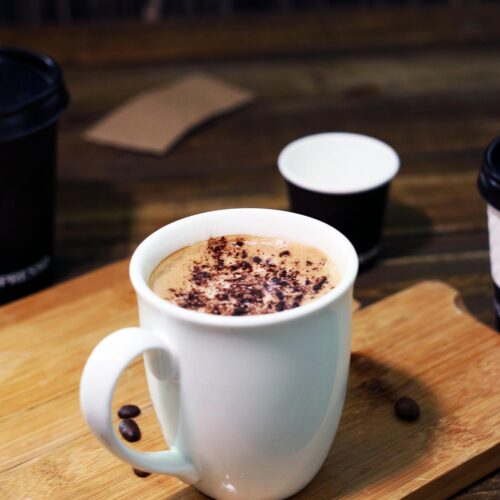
154	121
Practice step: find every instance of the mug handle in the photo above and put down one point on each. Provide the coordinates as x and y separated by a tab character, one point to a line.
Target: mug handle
101	373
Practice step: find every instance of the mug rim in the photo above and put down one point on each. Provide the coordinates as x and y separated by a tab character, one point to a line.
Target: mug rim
305	183
144	292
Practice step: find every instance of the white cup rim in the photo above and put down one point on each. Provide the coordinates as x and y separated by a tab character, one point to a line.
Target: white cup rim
145	293
391	167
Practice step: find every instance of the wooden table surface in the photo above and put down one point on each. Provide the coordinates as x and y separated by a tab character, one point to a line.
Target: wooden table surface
427	81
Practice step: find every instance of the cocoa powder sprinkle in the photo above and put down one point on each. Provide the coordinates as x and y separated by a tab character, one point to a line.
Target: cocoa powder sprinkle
319	284
230	280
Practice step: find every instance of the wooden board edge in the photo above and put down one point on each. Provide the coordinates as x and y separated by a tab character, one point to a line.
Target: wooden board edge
57	294
452	293
459	478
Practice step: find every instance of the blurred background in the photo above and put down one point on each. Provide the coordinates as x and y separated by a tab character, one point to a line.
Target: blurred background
64	11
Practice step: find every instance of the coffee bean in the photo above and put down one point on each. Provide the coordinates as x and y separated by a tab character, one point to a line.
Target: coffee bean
129	411
129	430
407	409
141	473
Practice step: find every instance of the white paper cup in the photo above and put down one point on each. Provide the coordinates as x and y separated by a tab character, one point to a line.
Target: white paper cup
489	187
342	179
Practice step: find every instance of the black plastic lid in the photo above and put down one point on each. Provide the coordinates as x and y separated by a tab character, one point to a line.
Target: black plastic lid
489	176
32	92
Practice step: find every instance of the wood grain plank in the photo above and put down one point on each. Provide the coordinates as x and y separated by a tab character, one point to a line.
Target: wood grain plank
488	487
418	204
357	78
263	36
438	126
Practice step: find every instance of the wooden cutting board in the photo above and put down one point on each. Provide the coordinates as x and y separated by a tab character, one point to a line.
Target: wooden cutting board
417	343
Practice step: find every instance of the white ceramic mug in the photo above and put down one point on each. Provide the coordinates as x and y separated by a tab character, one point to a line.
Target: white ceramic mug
248	404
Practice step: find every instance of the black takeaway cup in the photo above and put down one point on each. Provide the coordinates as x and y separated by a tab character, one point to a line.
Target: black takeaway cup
342	179
32	97
489	187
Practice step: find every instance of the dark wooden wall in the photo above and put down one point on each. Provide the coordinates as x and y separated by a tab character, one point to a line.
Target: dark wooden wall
19	12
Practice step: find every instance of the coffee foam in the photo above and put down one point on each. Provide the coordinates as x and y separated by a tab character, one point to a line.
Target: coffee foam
244	275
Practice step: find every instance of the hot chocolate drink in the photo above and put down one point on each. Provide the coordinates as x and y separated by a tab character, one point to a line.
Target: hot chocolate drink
244	275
